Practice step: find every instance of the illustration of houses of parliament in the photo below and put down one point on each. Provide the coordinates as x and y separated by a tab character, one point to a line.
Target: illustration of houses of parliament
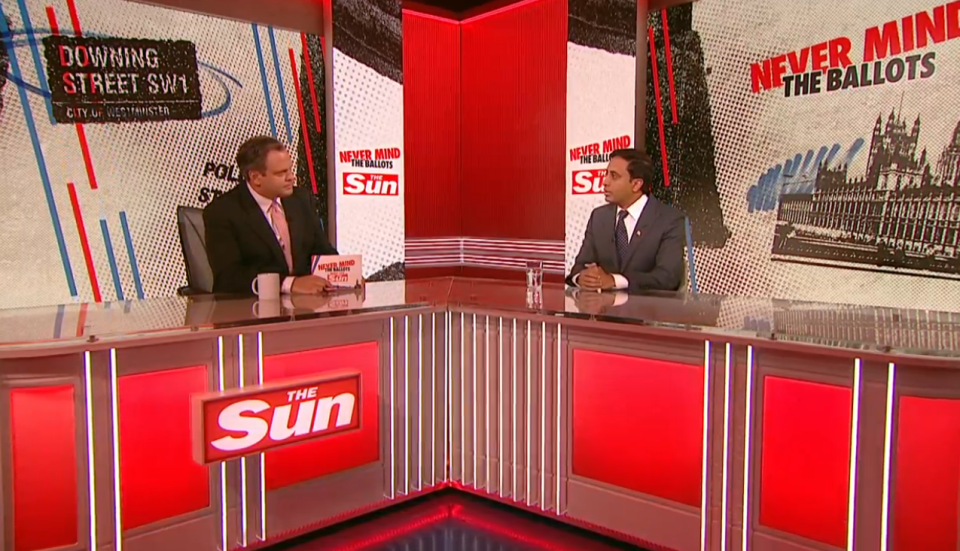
902	215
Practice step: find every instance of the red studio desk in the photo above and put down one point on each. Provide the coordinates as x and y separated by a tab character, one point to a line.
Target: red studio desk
678	422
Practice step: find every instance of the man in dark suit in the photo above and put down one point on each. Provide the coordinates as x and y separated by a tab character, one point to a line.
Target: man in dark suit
264	225
634	242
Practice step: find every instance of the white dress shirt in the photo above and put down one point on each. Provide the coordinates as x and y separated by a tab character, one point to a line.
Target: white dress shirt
265	205
630	221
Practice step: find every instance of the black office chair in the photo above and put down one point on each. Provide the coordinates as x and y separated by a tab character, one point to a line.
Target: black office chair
194	247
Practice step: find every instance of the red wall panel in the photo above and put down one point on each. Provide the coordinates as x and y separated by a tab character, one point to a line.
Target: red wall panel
158	482
43	440
431	125
927	479
805	459
658	404
513	89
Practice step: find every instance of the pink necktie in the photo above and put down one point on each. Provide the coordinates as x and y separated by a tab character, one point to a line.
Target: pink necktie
283	232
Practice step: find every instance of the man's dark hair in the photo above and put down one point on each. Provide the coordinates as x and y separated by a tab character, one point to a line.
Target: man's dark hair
252	154
639	165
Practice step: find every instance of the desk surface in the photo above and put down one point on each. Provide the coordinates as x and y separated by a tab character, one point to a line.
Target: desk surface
888	330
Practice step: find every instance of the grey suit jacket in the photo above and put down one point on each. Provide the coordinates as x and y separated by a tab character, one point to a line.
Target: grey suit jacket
654	259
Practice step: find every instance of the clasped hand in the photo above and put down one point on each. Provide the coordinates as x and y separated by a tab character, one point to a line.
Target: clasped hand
594	278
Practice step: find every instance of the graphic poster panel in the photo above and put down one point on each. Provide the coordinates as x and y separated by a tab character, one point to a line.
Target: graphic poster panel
368	122
821	144
112	115
601	92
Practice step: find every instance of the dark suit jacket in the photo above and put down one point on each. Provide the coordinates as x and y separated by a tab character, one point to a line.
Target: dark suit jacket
655	258
241	244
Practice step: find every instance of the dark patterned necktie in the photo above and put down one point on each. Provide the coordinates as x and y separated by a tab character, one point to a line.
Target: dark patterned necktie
620	236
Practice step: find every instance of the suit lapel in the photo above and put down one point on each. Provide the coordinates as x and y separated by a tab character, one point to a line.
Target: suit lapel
260	226
647	217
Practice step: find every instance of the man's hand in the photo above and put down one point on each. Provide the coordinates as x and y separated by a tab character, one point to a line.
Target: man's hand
594	278
309	285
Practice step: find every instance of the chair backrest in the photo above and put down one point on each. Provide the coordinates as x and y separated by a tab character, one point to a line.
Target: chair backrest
194	246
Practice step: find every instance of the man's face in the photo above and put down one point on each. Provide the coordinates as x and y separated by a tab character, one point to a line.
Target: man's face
618	188
277	179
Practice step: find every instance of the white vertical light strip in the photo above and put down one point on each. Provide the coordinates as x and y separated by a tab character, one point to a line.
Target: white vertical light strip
473	337
704	465
393	427
223	465
486	400
115	427
529	408
447	397
727	366
243	460
543	416
887	457
854	440
263	467
463	407
559	410
420	405
513	385
500	405
747	452
433	399
406	407
91	456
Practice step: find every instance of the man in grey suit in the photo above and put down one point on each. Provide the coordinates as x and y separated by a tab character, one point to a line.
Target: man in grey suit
634	242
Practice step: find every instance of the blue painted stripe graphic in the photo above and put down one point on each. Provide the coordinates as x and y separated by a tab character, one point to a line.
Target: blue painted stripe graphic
38	152
690	258
112	258
58	323
35	52
133	258
283	94
263	80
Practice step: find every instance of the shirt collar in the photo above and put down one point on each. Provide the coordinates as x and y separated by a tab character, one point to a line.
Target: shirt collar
636	209
262	201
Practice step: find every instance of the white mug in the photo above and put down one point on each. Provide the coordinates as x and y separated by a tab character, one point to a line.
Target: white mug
267	309
266	286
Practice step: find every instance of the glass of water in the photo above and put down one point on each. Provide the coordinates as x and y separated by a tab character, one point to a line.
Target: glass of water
534	274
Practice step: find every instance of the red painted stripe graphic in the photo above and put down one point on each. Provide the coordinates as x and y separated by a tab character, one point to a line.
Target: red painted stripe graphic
82	319
303	119
656	95
313	87
84	242
74	18
666	49
52	16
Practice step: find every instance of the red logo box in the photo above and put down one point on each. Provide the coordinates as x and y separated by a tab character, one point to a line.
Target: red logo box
588	182
242	422
355	183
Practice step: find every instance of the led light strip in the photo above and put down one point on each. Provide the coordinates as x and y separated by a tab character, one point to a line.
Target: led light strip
463	408
223	465
543	416
500	405
704	466
747	457
513	385
263	467
529	408
406	407
486	399
854	445
115	427
243	460
559	410
473	368
420	405
433	399
91	459
393	427
447	398
727	361
887	456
